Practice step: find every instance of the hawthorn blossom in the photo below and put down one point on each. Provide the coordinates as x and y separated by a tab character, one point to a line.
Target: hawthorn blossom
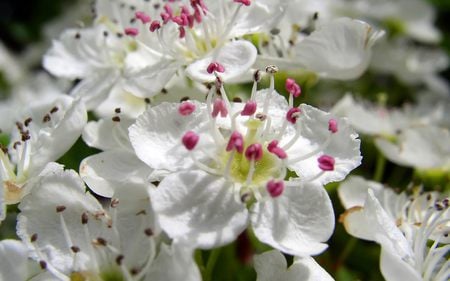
44	135
73	237
403	225
221	156
272	265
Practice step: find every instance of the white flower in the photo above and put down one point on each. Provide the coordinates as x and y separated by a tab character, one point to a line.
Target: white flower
73	237
421	147
45	134
403	226
336	49
272	266
222	154
14	257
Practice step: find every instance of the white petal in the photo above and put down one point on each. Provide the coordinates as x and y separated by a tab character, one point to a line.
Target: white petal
199	208
340	49
353	191
156	135
96	87
394	268
2	203
14	257
106	134
237	57
371	222
344	146
38	216
309	267
105	171
420	147
297	222
270	266
174	263
52	144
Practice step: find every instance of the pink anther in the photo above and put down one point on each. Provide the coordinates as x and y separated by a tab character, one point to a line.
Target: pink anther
292	87
244	2
275	188
326	163
254	152
219	107
273	147
215	67
293	114
155	25
190	140
332	125
249	108
186	108
182	32
131	31
143	17
236	142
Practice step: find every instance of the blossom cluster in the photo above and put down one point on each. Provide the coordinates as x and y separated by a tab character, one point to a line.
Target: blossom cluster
189	127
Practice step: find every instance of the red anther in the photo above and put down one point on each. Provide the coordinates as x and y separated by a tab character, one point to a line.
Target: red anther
215	67
275	188
186	108
332	126
254	152
131	31
143	17
273	147
190	140
182	32
155	25
236	142
244	2
293	114
326	163
249	108
168	10
292	87
197	15
165	17
219	107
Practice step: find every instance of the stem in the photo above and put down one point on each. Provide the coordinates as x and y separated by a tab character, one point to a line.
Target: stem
379	168
198	256
346	252
212	260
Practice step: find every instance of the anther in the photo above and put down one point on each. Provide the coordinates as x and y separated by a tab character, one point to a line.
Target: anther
119	259
219	107
273	147
54	110
46	118
237	99
116	119
292	87
275	188
249	108
261	116
190	140
75	249
272	69
147	100
43	264
254	152
114	202
77	35
148	232
186	108
215	67
243	2
100	241
293	114
143	17
155	25
332	126
117	110
245	197
186	98
16	144
134	271
84	218
326	163
33	238
60	209
27	121
131	31
257	75
236	142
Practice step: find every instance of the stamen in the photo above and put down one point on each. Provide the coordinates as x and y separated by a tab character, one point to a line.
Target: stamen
186	108
326	163
254	152
155	25
190	140
293	114
275	188
236	142
249	108
219	107
275	149
131	31
292	87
